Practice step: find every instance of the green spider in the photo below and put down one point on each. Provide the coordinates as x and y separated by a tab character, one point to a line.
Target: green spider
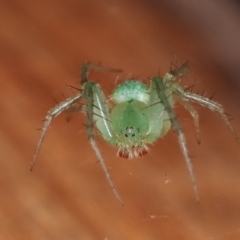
141	114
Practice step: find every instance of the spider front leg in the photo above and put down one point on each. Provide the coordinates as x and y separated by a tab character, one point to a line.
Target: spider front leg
51	114
97	113
165	96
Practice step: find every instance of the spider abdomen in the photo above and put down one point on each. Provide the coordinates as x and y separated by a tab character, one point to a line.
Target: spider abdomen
131	90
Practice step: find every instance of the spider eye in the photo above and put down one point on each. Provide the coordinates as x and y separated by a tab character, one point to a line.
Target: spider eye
130	132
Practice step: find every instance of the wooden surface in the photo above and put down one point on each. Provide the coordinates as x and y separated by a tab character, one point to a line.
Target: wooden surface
66	197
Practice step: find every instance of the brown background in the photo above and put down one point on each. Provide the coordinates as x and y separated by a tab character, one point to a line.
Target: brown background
42	45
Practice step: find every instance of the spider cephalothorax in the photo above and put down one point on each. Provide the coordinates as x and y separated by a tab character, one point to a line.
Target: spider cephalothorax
131	119
141	115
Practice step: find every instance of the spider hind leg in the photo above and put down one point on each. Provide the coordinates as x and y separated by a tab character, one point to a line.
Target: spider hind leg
208	103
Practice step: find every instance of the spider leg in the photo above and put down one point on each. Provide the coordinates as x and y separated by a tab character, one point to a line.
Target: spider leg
160	88
193	113
95	106
214	106
51	114
87	67
104	167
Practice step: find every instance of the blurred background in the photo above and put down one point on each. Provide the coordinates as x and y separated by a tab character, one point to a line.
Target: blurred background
67	197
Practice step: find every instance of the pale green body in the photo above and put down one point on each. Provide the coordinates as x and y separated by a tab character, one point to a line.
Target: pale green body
137	119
